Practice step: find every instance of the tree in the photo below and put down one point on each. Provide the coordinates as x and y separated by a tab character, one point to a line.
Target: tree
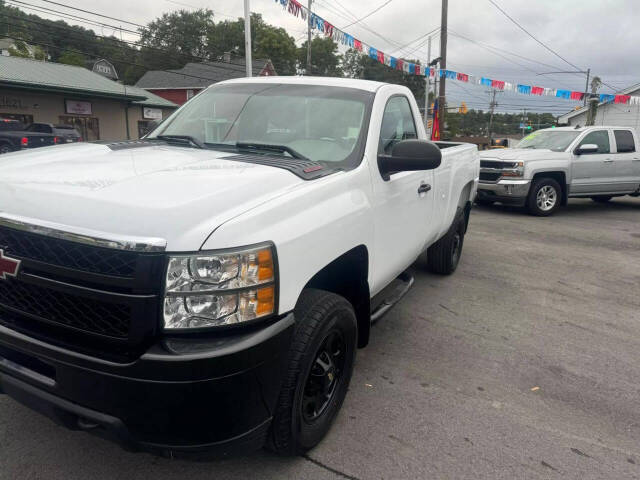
180	33
267	42
357	65
72	58
325	60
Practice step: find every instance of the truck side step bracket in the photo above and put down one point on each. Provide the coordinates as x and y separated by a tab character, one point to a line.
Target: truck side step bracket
392	295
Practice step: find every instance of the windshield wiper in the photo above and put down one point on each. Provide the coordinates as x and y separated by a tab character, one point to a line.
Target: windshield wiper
183	139
272	148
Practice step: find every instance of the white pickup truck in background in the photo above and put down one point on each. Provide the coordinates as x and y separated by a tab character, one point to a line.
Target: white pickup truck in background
207	287
549	166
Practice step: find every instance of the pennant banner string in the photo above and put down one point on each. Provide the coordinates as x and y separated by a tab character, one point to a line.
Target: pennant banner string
295	8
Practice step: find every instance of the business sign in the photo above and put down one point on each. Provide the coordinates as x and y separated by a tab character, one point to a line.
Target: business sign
106	69
74	106
149	113
11	102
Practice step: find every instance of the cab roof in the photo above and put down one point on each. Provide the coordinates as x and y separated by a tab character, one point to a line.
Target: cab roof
367	85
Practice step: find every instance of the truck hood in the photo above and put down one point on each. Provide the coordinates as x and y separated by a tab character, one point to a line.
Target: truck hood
523	154
175	193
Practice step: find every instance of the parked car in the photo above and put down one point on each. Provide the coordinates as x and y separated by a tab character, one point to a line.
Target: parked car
63	133
14	136
551	165
207	287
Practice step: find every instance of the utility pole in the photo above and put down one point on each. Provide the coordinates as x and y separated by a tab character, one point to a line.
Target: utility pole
524	119
308	72
247	38
493	104
427	88
443	65
586	87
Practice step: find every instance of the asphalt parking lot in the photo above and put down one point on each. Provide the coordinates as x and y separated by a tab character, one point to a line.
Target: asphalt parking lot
523	364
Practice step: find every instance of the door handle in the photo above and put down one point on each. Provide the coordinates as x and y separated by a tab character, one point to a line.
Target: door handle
423	188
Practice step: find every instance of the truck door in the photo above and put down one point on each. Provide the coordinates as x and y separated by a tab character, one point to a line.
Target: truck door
403	204
594	173
627	161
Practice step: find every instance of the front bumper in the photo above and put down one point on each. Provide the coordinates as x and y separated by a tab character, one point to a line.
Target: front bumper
183	394
511	192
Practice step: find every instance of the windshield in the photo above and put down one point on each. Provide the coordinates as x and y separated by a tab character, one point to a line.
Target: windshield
557	140
315	122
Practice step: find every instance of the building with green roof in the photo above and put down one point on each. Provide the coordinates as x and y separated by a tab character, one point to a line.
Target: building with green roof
99	108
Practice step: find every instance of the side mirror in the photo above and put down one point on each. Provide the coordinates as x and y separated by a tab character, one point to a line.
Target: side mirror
586	148
409	156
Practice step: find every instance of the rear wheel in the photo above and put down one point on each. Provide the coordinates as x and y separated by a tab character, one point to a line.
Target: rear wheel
320	365
444	255
544	197
4	148
601	198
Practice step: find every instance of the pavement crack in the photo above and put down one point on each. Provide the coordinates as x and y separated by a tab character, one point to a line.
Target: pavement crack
330	469
545	464
578	452
448	309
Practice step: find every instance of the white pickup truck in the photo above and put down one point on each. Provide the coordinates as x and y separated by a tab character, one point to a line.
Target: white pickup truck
551	165
207	287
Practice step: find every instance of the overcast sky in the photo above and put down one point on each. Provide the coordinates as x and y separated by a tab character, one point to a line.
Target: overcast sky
603	36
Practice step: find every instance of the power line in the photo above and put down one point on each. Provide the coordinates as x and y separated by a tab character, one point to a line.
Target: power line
368	14
531	35
48	11
93	13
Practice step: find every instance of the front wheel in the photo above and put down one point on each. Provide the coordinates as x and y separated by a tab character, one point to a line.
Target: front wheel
321	361
544	197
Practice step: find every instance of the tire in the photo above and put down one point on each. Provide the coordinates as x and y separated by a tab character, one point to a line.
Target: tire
545	196
326	328
444	255
5	148
601	198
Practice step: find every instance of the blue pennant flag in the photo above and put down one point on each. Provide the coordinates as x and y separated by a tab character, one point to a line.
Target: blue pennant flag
606	97
373	53
526	89
485	81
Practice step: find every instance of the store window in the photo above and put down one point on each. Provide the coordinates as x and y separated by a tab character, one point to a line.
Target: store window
87	127
144	126
25	119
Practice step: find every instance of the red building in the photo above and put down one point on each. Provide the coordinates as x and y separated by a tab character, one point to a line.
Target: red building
180	85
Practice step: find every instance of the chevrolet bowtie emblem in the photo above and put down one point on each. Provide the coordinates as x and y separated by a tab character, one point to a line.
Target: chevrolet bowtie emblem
8	266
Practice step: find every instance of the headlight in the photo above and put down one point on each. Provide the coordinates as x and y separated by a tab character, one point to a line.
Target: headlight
219	288
517	171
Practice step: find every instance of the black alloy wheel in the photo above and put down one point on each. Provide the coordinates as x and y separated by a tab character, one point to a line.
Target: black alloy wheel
324	377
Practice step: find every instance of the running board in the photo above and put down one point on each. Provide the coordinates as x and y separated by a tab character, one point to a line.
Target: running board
393	294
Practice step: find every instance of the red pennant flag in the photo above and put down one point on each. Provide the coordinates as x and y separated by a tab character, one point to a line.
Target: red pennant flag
537	90
399	64
357	44
463	77
621	99
577	95
435	128
499	84
380	56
